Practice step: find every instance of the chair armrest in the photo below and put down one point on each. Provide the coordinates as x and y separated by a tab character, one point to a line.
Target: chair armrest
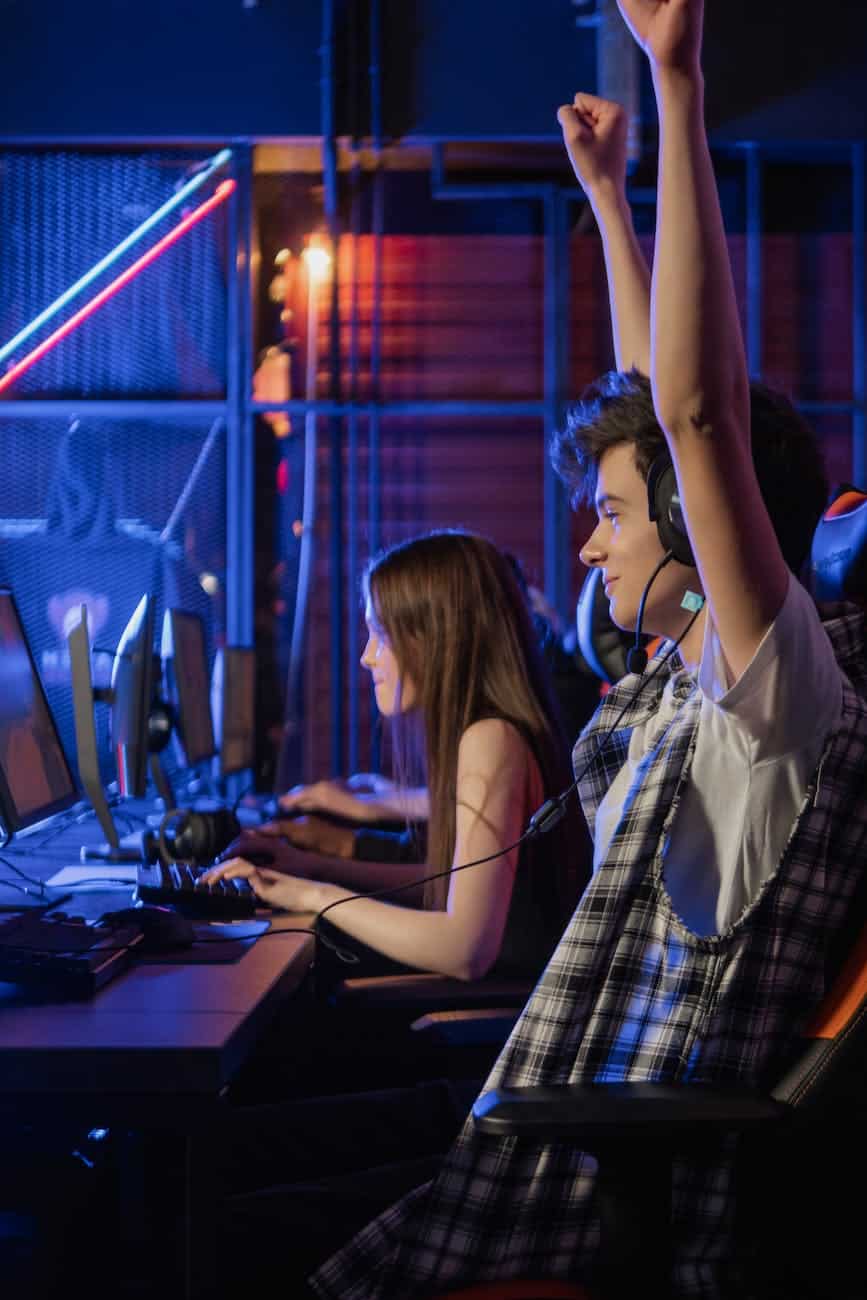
479	1027
416	993
591	1113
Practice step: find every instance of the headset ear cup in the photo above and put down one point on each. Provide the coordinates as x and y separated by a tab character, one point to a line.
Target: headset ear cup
663	503
188	836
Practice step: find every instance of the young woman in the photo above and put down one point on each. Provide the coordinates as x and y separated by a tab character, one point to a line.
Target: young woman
456	668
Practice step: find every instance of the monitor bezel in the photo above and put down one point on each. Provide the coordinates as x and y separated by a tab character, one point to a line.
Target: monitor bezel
242	654
13	820
174	616
132	756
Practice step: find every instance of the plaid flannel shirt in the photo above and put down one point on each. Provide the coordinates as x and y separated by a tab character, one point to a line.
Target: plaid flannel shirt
632	994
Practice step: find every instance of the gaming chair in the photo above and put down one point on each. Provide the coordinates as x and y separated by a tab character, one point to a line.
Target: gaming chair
802	1141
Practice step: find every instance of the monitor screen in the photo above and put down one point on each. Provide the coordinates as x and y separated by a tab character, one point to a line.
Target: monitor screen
131	686
233	705
35	777
185	662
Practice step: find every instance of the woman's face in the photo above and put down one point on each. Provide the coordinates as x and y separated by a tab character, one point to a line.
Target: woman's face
394	693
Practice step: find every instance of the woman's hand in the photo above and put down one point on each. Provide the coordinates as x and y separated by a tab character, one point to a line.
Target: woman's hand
594	132
291	893
669	31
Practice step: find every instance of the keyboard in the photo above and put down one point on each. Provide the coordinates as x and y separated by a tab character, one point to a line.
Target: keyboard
177	885
64	957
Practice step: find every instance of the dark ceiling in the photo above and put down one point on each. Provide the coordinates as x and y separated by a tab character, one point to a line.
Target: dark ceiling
450	69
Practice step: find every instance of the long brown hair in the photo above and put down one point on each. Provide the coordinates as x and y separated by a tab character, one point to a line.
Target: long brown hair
460	628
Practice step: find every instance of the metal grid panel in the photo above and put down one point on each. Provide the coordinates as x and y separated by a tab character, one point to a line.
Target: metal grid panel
164	332
83	519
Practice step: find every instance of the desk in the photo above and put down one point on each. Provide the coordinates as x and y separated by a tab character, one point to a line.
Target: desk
153	1050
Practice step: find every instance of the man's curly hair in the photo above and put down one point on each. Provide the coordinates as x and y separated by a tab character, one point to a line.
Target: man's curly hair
618	408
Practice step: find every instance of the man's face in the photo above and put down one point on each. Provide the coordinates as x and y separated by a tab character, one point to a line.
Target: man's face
626	547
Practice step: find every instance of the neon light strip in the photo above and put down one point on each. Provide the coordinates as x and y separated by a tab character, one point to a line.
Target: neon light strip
222	192
213	164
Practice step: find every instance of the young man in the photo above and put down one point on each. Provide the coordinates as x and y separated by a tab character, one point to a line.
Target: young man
724	864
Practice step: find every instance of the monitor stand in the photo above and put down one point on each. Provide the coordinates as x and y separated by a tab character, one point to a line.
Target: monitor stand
114	853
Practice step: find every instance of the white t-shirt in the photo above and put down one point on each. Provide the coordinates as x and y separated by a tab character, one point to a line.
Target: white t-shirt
757	746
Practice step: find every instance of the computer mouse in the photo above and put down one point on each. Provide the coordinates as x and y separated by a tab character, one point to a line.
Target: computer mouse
162	928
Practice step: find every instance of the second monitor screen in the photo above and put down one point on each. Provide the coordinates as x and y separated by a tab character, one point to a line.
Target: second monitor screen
187	672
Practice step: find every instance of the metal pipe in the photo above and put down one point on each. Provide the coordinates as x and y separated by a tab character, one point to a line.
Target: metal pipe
352	522
330	185
555	352
239	439
137	409
755	297
116	409
37	409
187	491
859	311
436	407
377	227
294	711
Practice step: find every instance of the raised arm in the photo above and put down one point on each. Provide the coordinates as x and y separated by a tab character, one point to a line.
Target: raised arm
497	779
698	366
594	132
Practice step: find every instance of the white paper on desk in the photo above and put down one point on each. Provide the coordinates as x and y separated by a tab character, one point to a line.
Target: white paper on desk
89	876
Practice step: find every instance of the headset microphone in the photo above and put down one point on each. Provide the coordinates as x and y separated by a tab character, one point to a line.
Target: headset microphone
636	656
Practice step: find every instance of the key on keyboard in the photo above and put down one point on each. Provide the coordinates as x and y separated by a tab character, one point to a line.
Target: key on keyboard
176	885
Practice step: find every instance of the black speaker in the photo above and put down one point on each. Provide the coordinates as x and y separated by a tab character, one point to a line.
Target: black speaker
663	503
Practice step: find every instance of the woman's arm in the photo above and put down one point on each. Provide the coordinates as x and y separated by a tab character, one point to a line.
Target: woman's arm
493	783
698	366
287	859
377	800
594	132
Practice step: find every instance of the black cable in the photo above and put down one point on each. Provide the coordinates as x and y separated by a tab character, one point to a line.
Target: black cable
552	810
31	880
636	657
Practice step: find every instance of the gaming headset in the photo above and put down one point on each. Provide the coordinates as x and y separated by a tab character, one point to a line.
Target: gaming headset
663	504
188	836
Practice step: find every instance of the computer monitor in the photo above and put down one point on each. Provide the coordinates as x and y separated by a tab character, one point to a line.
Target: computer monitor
132	678
83	698
233	707
185	665
36	780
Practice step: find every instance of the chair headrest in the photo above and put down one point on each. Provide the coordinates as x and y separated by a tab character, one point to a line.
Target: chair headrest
601	642
838	559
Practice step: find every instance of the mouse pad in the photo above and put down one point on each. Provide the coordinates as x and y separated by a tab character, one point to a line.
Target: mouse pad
216	942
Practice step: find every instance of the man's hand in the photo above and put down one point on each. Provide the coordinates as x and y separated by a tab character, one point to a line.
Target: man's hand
594	132
268	848
314	834
669	31
336	797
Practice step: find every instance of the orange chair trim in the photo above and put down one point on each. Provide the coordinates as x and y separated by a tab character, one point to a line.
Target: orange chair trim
847	994
845	504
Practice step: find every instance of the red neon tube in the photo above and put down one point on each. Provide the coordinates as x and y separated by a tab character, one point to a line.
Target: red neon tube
222	192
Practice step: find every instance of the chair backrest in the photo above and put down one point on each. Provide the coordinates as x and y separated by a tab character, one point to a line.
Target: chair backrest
831	1062
838	559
